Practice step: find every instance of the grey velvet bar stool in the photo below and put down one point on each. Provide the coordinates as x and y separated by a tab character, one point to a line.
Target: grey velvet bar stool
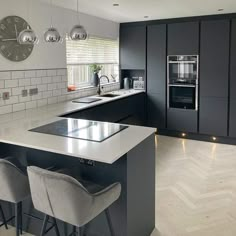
14	188
62	197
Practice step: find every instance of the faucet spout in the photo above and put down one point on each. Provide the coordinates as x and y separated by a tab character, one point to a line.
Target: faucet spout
99	91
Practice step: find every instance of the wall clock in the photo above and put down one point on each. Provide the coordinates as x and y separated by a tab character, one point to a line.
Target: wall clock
10	27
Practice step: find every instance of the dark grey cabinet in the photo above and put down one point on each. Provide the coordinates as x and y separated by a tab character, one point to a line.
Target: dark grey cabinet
183	38
156	108
130	110
214	60
214	76
133	47
213	116
156	75
232	118
182	120
232	113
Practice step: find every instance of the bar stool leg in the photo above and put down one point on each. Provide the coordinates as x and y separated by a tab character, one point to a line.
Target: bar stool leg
108	216
3	217
17	218
20	218
44	227
56	227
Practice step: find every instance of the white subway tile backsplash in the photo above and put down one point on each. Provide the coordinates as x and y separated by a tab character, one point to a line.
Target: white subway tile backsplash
61	72
2	84
46	80
42	102
24	82
64	78
51	72
18	107
5	109
41	73
18	74
47	94
52	100
52	86
30	74
17	91
12	100
5	75
56	79
12	83
30	105
42	87
24	99
38	96
36	81
56	92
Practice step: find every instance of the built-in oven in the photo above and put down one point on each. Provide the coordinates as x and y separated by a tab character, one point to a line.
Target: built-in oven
182	81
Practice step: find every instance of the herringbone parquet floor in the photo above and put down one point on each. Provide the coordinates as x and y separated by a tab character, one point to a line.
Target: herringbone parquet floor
195	189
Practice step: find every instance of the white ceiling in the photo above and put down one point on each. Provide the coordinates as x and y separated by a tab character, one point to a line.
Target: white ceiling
135	10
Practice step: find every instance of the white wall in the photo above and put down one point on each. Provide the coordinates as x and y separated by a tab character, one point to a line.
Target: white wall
49	56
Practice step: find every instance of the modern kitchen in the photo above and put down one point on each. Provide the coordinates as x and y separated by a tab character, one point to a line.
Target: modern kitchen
117	118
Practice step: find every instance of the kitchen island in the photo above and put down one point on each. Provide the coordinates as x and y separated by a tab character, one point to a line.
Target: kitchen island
127	157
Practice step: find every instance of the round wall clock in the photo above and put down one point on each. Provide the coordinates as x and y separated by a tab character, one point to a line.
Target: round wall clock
10	27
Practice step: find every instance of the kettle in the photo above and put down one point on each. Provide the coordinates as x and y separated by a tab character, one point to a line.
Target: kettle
126	83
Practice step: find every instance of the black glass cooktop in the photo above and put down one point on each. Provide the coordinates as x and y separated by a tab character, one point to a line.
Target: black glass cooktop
81	129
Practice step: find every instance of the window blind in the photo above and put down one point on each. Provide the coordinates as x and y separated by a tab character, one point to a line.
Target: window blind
92	51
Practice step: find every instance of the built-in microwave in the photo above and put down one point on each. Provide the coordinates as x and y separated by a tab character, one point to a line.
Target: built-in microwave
182	82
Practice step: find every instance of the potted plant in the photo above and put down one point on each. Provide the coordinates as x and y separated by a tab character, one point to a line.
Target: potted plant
95	68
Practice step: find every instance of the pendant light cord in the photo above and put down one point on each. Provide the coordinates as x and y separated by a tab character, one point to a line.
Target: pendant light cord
78	12
51	13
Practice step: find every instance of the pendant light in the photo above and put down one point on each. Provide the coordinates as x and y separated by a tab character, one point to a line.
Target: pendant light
52	35
27	36
78	32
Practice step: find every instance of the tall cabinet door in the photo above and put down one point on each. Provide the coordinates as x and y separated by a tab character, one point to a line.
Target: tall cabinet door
214	76
232	118
183	38
156	75
133	47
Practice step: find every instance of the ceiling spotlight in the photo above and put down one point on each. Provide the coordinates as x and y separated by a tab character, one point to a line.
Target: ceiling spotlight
116	4
146	17
221	9
183	134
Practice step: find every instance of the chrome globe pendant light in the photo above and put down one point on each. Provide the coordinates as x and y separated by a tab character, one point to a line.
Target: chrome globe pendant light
78	32
52	35
27	36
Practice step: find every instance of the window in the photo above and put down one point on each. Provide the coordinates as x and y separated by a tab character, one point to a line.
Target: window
82	54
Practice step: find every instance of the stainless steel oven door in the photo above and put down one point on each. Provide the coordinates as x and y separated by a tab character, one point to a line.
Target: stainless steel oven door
183	96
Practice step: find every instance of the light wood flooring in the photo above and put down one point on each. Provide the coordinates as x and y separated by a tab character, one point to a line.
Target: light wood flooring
195	189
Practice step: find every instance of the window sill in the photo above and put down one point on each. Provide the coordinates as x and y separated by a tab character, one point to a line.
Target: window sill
92	87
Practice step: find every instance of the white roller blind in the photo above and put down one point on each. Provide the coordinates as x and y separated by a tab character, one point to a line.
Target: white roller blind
92	51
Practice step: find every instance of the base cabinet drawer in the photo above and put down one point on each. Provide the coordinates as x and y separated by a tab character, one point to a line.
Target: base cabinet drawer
213	116
182	120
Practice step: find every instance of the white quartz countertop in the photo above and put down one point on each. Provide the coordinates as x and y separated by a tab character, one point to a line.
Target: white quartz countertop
14	130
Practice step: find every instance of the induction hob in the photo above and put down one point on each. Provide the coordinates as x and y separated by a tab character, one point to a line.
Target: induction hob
81	129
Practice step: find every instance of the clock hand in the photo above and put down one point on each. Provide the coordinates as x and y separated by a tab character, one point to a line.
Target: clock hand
16	31
5	40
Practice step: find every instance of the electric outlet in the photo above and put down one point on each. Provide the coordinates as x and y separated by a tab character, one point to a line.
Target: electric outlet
6	96
24	93
33	91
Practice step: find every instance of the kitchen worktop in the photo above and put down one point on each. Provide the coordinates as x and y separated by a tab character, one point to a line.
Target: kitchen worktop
14	129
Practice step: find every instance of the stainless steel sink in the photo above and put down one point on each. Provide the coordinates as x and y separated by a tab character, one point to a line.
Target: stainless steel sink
109	95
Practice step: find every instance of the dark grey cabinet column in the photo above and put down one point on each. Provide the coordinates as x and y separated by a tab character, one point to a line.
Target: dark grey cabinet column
232	118
133	47
183	38
156	75
214	76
